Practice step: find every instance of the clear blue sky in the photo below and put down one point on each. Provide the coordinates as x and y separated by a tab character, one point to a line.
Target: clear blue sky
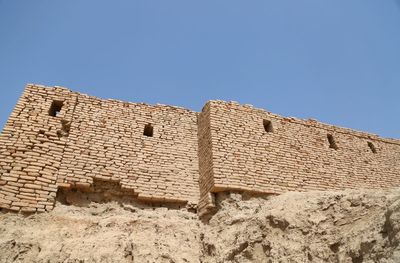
337	61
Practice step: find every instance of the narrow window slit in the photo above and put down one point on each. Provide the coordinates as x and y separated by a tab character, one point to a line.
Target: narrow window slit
55	108
148	130
332	143
268	126
372	147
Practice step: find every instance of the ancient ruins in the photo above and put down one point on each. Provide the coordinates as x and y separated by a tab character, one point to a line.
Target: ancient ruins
59	139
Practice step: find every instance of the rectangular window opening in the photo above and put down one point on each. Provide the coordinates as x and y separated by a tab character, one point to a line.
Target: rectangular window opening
148	130
55	108
332	143
372	147
268	126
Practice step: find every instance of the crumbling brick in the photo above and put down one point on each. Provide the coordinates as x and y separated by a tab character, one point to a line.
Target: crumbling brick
57	138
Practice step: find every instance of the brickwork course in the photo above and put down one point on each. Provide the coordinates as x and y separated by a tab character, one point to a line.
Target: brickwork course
59	139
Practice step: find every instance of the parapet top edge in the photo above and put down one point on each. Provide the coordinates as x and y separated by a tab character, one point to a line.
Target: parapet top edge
310	122
110	99
306	122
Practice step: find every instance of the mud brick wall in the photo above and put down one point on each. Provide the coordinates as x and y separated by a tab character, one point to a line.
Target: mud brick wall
31	149
206	175
256	151
107	142
59	139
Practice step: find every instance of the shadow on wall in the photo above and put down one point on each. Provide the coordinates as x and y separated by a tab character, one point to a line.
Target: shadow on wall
107	191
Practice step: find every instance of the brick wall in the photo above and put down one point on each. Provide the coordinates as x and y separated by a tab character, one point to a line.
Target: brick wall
206	171
256	151
107	142
93	139
31	150
56	138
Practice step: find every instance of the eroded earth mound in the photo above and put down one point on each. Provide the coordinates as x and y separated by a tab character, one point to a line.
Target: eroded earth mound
346	226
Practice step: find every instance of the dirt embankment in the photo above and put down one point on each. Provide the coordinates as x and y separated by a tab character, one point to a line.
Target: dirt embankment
348	226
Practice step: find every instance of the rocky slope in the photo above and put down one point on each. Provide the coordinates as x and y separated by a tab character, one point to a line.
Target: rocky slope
348	226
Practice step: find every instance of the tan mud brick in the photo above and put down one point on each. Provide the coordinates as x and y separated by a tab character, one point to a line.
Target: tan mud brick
57	138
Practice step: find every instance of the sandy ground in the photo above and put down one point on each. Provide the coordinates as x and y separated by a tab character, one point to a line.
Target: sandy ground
348	226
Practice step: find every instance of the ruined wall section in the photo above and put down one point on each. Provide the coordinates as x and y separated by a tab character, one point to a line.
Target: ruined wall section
256	151
107	143
31	148
59	138
56	138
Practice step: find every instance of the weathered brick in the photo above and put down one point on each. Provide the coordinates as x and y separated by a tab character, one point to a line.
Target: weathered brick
33	186
168	154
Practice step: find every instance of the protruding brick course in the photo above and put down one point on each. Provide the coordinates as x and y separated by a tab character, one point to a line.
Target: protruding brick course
56	138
